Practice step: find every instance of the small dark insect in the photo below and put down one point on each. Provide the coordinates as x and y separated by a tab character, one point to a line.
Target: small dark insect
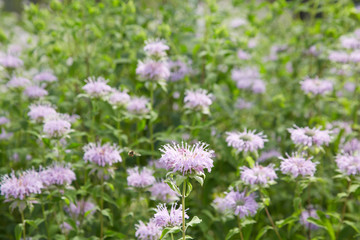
132	153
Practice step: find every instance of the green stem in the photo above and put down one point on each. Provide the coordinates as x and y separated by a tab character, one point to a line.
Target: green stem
241	235
343	211
23	224
172	236
150	122
101	208
45	220
270	219
183	209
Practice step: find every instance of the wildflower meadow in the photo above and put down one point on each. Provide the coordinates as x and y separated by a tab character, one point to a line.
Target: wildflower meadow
174	120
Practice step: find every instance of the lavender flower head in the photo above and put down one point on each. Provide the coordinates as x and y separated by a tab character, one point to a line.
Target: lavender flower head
4	120
162	192
35	92
119	98
153	70
267	155
247	141
5	135
140	178
57	126
348	164
10	61
248	78
350	42
27	183
198	99
81	207
309	136
316	86
150	231
355	56
138	105
96	87
243	104
45	76
352	146
178	70
258	174
242	55
57	174
39	112
163	218
339	57
102	155
156	48
296	165
18	82
305	215
186	158
240	204
221	204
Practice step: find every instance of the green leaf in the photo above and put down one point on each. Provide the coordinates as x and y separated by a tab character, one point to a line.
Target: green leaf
262	232
194	221
18	231
250	161
173	186
188	188
167	231
231	233
354	187
286	221
353	225
107	213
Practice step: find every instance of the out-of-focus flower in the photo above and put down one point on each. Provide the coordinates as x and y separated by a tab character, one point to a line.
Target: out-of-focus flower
102	155
138	105
296	165
57	174
258	174
247	141
140	178
96	87
267	155
119	98
243	104
65	228
316	86
18	82
153	70
45	76
178	70
4	120
350	42
339	57
81	207
348	164
237	22
241	205
39	112
248	78
352	146
336	126
198	99
156	48
355	56
35	92
164	218
5	135
57	126
162	192
305	215
350	86
186	158
10	61
27	183
242	55
149	231
310	136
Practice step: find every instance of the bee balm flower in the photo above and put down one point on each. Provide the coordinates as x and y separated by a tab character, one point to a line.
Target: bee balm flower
297	165
102	155
247	141
258	174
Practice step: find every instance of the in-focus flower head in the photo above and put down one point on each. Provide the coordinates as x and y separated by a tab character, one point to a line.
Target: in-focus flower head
57	174
186	158
240	204
296	165
198	99
140	178
162	192
348	164
10	61
309	136
258	174
57	125
18	82
35	91
119	98
138	105
246	141
305	214
97	87
316	86
178	70
163	218
151	70
156	48
45	76
102	155
40	111
21	186
149	231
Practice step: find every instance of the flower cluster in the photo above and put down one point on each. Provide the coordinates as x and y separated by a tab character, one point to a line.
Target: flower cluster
296	165
248	78
198	100
140	178
57	126
310	136
164	218
149	231
162	192
57	174
102	155
246	141
316	86
97	87
258	174
348	163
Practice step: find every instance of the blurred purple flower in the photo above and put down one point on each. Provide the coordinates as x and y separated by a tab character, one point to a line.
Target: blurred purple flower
305	214
57	126
316	86
102	155
153	70
57	174
296	165
10	61
247	141
81	207
140	178
352	146
198	99
338	56
156	48
350	42
162	192
350	86
138	105
348	164
178	70
258	174
310	136
147	232
96	87
18	82
119	98
35	92
242	55
4	120
267	155
39	112
45	76
5	135
240	204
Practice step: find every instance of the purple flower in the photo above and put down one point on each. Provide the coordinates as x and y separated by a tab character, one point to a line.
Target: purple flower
119	98
18	82
163	218
38	112
156	48
221	204
10	61
309	136
247	141
198	100
138	105
243	104
57	174
27	183
97	87
35	92
81	207
162	192
237	22
348	164
248	78
258	174
65	228
187	158
5	135
339	57
57	126
316	86
45	76
352	146
349	42
4	120
147	232
258	86
305	215
140	178
240	204
102	155
350	86
267	155
337	126
296	165
355	56
242	55
178	70
153	70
